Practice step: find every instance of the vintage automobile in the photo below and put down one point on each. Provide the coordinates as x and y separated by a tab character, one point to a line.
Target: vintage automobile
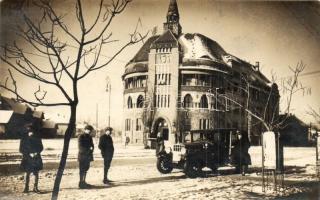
205	149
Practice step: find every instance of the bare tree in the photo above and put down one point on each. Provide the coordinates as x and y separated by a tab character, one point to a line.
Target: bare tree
64	70
315	114
268	115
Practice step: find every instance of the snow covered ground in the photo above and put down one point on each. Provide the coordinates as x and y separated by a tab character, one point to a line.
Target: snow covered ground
140	180
145	182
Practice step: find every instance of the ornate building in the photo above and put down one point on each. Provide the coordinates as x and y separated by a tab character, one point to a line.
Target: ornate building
179	82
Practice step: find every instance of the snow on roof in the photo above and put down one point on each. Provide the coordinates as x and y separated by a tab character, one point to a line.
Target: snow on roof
17	107
197	46
57	118
37	114
5	116
166	37
48	124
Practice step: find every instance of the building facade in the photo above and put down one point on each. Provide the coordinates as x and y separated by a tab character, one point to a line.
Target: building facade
179	82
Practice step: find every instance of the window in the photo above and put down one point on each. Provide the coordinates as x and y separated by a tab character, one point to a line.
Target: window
203	124
138	124
140	101
203	102
127	125
188	102
130	102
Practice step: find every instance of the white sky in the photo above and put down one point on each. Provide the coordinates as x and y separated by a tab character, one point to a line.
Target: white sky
277	35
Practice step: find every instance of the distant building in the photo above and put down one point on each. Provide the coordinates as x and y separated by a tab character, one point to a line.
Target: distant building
5	116
49	129
184	81
61	123
294	132
22	114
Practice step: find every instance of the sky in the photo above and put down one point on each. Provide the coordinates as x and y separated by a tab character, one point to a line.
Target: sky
277	34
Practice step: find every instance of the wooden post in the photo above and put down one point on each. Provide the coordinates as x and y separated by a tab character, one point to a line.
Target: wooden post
262	164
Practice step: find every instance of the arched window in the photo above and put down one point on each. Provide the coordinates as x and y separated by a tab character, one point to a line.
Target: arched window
187	101
140	101
204	102
130	102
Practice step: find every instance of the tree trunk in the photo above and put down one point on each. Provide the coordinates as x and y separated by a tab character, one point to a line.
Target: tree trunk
69	132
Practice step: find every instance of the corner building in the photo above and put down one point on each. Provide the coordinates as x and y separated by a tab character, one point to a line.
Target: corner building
179	82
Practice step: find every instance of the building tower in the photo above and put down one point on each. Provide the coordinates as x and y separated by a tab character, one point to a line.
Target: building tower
180	82
173	18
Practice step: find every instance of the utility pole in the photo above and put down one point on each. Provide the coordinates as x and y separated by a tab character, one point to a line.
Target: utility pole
97	119
108	90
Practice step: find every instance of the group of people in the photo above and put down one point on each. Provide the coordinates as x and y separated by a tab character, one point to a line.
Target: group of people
85	155
31	147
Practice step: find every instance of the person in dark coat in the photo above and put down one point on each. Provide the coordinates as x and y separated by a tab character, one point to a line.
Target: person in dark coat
240	153
85	155
31	148
107	150
159	143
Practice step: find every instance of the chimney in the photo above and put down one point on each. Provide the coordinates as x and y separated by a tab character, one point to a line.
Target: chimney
257	65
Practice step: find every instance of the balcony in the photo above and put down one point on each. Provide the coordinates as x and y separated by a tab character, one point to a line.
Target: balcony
199	88
134	90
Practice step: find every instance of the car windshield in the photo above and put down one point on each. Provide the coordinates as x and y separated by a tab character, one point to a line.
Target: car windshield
212	136
199	136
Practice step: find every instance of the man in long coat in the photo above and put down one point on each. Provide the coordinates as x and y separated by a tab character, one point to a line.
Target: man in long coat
107	150
85	155
31	148
240	156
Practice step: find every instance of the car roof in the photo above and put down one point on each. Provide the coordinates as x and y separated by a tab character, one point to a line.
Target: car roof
217	130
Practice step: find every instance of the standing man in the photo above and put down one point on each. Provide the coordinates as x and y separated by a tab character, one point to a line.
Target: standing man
106	147
240	156
85	155
31	147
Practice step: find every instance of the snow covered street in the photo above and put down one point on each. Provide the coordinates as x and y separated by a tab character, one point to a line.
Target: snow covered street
145	182
136	177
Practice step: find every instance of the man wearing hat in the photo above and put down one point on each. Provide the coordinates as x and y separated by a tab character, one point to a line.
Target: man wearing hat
106	147
85	155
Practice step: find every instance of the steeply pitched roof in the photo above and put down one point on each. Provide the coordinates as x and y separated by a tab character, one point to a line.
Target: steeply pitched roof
143	53
17	107
166	38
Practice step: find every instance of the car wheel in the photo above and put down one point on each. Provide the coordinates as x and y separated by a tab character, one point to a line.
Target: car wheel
164	165
192	169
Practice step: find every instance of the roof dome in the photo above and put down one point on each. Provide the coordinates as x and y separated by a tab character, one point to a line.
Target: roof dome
193	46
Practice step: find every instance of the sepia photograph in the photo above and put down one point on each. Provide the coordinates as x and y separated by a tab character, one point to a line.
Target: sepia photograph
159	99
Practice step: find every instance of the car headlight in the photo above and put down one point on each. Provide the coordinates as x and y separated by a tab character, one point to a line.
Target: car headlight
167	149
183	150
